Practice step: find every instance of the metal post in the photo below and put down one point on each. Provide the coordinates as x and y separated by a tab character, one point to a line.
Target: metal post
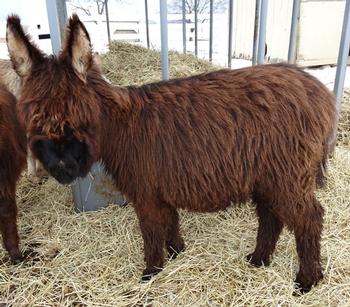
147	25
262	31
195	27
230	22
256	31
54	25
342	57
62	16
211	31
184	25
164	38
293	31
107	22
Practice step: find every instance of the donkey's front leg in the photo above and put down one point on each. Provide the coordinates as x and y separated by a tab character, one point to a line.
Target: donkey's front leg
8	227
153	220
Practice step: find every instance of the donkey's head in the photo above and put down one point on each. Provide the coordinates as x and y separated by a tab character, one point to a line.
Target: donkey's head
57	105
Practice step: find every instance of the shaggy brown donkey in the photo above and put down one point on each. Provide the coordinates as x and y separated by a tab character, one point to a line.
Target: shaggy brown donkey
12	161
196	143
13	83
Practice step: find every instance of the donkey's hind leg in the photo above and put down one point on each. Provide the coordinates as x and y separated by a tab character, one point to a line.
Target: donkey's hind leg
269	230
307	232
304	217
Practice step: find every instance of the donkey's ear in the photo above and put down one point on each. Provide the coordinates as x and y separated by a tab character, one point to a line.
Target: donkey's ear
23	52
76	48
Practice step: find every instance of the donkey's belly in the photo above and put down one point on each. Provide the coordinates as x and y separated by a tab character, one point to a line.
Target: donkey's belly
208	207
211	205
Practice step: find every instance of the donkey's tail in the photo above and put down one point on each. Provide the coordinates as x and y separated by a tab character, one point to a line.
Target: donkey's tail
321	173
328	149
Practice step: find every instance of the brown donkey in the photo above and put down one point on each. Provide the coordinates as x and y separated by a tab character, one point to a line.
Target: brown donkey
13	83
195	143
12	161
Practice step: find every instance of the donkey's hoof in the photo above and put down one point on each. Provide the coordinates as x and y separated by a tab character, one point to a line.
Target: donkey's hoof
173	252
16	256
146	278
257	261
148	274
172	255
17	260
300	290
304	285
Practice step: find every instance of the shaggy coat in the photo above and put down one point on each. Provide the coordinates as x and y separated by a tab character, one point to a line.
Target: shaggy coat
12	161
197	143
10	79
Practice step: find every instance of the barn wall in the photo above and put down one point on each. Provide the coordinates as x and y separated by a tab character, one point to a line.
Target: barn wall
318	34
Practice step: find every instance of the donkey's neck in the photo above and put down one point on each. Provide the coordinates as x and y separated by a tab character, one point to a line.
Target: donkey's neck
114	100
120	107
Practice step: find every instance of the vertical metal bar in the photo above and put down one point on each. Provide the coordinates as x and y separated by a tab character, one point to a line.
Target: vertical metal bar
62	16
230	23
342	57
184	25
293	31
164	38
196	27
107	22
262	31
147	24
211	30
52	14
256	31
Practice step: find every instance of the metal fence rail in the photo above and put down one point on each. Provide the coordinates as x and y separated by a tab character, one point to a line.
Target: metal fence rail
256	32
164	38
343	56
293	31
262	31
211	22
230	25
147	23
184	25
196	27
107	22
54	25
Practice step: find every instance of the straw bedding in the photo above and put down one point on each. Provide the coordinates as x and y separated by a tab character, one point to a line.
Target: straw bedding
96	258
344	121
